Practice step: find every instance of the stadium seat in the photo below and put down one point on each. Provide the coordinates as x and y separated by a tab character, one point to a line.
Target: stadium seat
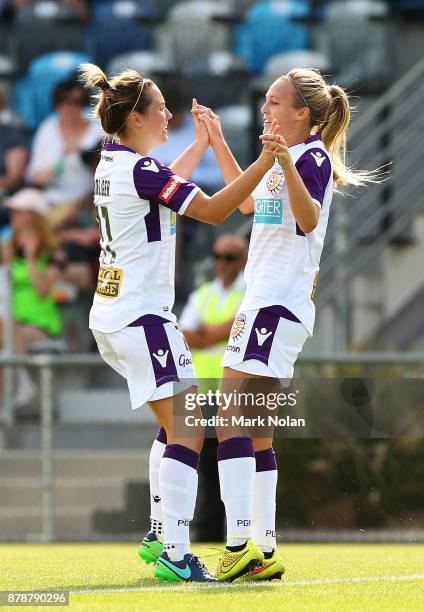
145	62
31	38
33	93
190	33
115	30
355	36
283	62
220	79
269	29
236	123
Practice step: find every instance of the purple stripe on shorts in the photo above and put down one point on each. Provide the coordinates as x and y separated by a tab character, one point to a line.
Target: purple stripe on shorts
183	454
152	221
148	320
234	448
162	437
160	354
265	460
263	332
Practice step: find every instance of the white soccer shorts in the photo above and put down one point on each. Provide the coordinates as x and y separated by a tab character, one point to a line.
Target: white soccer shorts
265	342
152	355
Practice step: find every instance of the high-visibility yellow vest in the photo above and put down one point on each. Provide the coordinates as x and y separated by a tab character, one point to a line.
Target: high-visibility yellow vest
213	311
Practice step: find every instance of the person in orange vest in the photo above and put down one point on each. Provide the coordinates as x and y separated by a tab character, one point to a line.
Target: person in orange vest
206	322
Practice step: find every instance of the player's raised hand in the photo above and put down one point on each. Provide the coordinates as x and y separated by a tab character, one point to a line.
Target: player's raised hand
212	122
277	145
202	134
270	145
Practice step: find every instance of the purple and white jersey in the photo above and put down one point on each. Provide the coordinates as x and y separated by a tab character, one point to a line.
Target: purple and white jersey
283	262
136	199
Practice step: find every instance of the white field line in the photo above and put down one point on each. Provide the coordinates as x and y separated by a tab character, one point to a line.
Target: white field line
251	585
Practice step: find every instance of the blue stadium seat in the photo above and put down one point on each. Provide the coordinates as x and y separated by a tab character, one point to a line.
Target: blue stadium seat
269	29
33	93
115	30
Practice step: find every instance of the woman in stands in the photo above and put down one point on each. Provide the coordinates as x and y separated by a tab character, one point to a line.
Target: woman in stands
136	200
291	207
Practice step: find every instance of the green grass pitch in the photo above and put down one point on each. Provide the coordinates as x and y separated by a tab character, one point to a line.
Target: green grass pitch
325	577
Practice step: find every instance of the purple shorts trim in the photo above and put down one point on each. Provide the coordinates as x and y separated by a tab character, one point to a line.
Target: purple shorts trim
265	460
234	448
182	454
162	437
147	320
263	332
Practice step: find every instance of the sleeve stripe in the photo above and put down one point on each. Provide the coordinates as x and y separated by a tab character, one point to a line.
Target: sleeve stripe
188	199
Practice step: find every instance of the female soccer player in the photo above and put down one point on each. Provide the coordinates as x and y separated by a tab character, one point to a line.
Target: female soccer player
291	206
136	200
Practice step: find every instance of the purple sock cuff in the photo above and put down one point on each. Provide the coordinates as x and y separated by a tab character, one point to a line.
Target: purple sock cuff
182	454
265	460
161	437
234	448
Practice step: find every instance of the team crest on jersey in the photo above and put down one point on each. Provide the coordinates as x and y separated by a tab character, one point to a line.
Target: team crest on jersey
275	181
238	326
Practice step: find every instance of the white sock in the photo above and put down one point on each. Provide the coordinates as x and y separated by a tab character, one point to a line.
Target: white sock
264	504
178	488
156	454
236	466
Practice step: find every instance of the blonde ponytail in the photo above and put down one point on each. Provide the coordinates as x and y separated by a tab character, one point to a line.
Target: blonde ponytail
330	115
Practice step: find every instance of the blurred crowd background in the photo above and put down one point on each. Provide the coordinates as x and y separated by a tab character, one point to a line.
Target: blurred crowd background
225	53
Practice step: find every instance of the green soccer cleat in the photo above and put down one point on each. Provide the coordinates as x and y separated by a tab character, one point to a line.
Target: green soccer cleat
189	569
270	569
151	549
232	565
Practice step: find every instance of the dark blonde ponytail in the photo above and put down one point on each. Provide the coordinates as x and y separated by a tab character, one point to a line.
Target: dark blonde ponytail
124	93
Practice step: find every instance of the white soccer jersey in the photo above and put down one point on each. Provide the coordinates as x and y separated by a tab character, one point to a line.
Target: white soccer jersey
283	262
136	201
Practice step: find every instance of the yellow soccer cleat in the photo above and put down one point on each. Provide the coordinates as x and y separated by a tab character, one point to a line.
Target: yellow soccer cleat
232	565
270	569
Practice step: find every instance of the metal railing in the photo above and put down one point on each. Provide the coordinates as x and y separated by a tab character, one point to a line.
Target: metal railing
46	364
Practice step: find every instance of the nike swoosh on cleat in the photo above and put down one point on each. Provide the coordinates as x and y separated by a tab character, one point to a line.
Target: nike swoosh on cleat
232	563
182	573
258	570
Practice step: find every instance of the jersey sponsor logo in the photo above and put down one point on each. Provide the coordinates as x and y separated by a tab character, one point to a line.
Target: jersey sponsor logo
109	282
268	211
185	361
172	223
162	357
238	326
149	164
275	181
262	335
170	189
319	158
232	349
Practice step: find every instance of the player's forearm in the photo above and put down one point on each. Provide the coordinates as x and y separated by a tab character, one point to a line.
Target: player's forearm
188	161
227	163
217	333
233	195
304	209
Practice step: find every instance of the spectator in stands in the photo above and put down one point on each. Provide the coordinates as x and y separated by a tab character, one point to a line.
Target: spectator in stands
206	323
35	267
13	150
56	163
77	8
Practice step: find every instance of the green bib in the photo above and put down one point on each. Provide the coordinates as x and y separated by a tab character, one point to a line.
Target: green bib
27	306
